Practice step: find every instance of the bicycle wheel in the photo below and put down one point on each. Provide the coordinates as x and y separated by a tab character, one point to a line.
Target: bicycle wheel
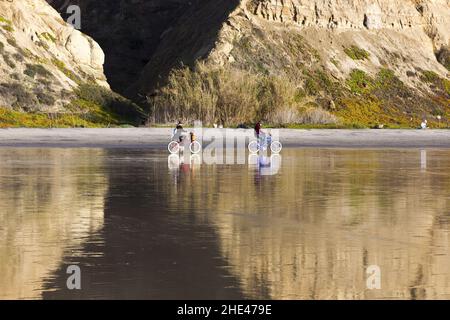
173	147
276	147
195	147
253	147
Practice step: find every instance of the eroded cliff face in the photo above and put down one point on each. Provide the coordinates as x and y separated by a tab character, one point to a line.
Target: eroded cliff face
356	44
42	58
411	26
415	28
430	15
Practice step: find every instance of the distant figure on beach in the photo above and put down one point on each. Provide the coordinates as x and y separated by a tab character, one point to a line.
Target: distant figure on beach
424	124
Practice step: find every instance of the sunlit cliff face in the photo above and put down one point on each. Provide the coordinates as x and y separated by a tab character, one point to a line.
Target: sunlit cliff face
52	200
43	58
311	231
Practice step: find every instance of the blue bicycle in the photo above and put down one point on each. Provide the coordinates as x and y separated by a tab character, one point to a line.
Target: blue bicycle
263	143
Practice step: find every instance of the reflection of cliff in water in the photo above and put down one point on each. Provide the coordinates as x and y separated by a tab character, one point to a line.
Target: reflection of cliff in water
151	249
140	226
51	201
312	230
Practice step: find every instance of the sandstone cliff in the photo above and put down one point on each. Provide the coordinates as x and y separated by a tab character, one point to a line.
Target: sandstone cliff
50	73
42	57
361	62
416	30
389	57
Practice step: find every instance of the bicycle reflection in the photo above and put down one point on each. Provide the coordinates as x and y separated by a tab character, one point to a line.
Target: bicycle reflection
265	165
183	163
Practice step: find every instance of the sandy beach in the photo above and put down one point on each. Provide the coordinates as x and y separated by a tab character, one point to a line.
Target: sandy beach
159	137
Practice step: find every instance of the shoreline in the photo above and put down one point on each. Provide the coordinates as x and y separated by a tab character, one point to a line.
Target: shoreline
158	138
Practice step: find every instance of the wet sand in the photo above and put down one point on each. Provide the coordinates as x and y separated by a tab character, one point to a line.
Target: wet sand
159	137
142	226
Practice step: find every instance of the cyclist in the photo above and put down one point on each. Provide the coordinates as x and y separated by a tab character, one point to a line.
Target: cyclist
260	135
179	133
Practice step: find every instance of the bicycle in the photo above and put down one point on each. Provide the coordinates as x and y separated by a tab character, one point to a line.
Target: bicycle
264	143
174	146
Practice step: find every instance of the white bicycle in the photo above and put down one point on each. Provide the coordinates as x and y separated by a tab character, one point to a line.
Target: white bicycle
174	146
263	144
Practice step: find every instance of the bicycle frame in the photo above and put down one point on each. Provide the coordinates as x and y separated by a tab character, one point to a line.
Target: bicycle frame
264	141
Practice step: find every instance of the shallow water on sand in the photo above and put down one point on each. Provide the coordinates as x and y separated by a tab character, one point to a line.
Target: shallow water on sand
140	225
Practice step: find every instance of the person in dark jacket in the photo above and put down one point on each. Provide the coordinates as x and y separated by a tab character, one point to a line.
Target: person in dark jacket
179	132
259	133
257	129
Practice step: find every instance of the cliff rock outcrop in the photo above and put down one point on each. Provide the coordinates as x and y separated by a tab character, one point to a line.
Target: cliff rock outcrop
389	56
42	58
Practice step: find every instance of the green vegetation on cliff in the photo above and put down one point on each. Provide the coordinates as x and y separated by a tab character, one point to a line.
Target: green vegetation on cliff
357	53
93	106
290	85
232	96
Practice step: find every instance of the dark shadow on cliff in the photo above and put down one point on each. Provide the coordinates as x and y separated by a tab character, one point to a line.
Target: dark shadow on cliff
191	39
155	34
